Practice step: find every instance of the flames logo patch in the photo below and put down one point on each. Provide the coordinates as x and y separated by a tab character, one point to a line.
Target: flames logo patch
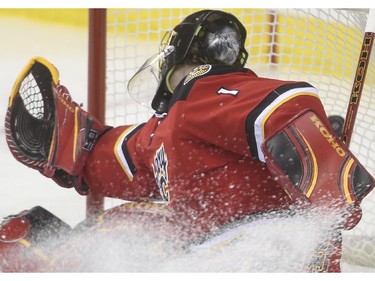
160	168
198	71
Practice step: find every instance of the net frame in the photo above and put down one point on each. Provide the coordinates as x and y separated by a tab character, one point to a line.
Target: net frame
96	84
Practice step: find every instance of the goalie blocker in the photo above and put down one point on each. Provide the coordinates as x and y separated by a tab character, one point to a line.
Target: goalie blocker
314	166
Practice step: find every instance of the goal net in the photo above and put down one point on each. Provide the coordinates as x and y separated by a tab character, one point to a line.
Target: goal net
320	46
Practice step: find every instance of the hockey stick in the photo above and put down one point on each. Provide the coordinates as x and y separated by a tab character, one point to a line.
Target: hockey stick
359	78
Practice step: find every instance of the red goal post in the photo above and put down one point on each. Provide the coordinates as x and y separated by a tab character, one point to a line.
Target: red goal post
96	83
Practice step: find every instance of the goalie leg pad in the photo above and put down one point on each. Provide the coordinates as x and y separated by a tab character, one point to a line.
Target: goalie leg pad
327	254
314	166
23	240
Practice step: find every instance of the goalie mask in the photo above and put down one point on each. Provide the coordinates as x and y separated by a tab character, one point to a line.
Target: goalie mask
204	37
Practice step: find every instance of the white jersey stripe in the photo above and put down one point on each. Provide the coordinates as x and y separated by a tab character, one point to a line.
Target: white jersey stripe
119	152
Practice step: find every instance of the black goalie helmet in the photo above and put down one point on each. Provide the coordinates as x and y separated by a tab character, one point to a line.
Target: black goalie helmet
204	37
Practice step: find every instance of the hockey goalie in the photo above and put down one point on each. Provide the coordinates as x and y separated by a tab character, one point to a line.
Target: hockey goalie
223	146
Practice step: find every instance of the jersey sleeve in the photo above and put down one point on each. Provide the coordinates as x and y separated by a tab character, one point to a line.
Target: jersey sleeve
114	168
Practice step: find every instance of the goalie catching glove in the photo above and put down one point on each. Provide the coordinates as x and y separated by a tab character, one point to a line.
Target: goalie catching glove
45	129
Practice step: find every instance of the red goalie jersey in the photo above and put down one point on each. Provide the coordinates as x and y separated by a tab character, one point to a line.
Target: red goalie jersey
205	158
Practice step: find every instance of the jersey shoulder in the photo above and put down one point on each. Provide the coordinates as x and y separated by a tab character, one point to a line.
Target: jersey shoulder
200	75
232	80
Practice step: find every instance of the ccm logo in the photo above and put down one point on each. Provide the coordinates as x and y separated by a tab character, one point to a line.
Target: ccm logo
63	101
323	130
361	68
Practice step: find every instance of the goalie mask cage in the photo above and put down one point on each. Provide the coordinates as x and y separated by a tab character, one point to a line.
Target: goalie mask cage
320	46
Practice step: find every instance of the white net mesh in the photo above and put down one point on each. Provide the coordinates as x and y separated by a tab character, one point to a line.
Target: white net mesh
320	46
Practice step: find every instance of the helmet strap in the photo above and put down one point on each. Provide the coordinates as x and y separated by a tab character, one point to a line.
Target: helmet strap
167	78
